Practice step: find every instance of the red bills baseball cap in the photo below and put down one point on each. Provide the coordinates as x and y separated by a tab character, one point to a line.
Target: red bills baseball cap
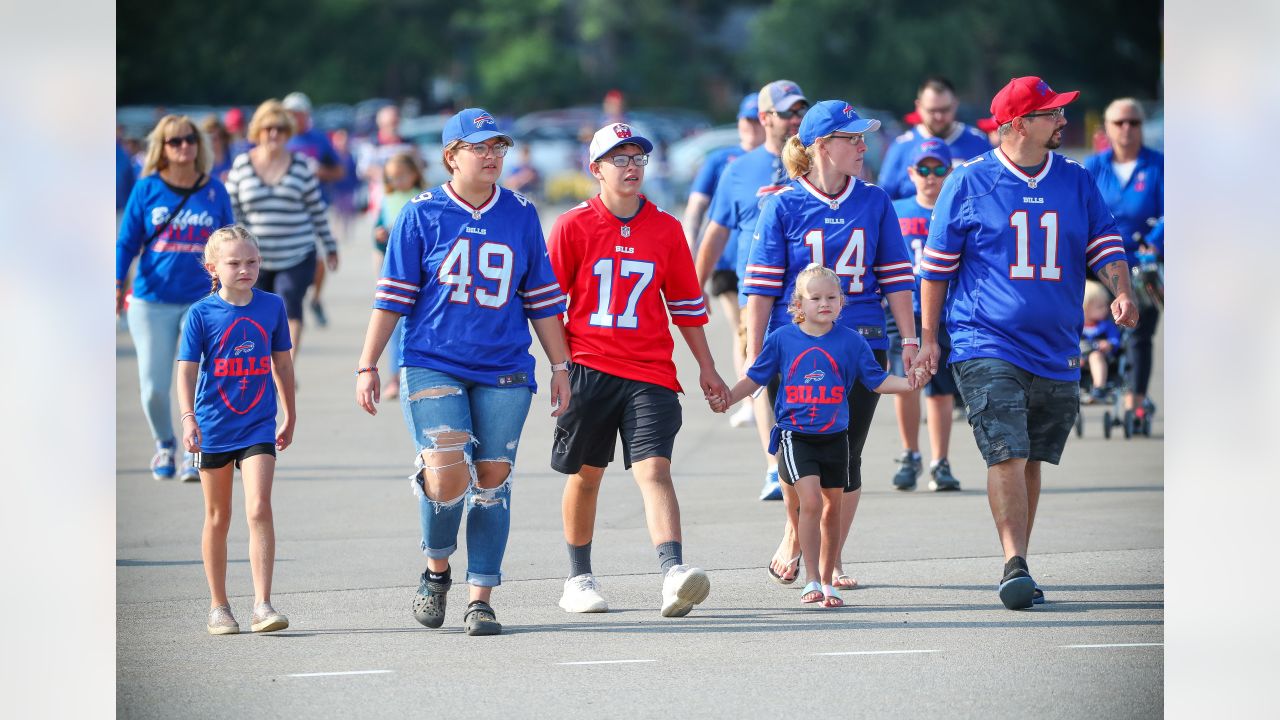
1026	95
614	134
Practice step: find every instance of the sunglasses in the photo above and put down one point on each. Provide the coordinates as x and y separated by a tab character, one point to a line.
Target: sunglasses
1126	121
939	170
282	129
621	161
854	138
1054	113
788	114
482	150
177	142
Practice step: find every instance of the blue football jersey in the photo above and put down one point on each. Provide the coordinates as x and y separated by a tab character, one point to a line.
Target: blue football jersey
743	186
706	182
817	375
913	220
964	142
235	392
468	279
1016	249
855	233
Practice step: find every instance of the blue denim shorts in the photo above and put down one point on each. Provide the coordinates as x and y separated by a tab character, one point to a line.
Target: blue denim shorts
1014	413
433	401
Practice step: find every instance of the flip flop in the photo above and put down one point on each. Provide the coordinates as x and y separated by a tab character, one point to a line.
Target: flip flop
813	587
844	582
831	598
784	580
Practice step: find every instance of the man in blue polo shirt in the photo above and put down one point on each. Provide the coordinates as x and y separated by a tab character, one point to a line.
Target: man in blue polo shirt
1016	230
936	105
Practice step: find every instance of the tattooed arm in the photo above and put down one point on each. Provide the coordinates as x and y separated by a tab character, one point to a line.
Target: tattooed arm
1116	277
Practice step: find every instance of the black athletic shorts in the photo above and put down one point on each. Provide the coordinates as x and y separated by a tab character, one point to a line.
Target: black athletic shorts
604	407
804	454
723	281
213	461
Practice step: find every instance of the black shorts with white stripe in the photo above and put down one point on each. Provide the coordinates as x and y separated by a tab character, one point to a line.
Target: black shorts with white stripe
804	454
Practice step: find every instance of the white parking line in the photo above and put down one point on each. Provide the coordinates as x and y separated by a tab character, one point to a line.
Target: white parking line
605	662
1115	645
348	672
878	652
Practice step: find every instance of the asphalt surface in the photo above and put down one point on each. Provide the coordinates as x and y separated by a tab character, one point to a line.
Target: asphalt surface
925	632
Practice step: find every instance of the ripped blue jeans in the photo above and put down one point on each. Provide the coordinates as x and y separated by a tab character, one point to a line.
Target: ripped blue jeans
443	412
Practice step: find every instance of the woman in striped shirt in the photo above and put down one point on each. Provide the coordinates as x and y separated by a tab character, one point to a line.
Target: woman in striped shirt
275	194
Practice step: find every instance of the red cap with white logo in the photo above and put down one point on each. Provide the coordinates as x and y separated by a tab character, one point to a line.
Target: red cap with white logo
1026	95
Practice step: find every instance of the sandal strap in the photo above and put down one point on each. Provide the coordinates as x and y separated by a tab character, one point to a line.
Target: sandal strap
481	607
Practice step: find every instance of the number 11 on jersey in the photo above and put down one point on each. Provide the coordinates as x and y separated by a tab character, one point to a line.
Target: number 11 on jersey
603	269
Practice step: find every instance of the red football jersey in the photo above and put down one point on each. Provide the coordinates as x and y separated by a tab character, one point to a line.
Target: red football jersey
623	280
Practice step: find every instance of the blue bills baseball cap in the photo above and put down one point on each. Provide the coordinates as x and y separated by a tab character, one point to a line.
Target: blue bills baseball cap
931	148
750	107
473	125
831	116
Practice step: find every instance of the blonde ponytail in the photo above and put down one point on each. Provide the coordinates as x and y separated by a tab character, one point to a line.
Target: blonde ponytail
796	158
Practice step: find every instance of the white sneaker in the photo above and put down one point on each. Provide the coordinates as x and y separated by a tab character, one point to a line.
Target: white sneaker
682	588
745	416
582	595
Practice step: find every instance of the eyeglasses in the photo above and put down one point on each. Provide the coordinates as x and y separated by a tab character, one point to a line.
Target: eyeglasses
482	150
177	142
1127	121
788	114
1054	113
282	129
621	161
854	138
939	170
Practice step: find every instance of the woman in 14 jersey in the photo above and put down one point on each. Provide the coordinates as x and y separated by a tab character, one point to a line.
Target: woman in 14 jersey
827	215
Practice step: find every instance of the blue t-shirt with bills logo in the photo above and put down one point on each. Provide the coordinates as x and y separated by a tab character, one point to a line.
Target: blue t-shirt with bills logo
1016	249
235	392
468	281
855	233
817	375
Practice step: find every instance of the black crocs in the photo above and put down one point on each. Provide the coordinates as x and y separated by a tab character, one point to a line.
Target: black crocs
480	620
429	602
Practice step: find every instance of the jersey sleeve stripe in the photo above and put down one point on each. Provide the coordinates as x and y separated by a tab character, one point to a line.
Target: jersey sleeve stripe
546	302
760	282
892	266
553	287
894	279
939	255
394	298
766	269
691	313
695	301
1099	241
932	267
388	282
1112	250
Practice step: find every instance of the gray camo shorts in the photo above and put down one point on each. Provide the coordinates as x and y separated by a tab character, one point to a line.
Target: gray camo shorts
1014	413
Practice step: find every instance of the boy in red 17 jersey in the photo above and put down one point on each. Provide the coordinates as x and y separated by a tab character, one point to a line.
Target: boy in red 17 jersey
626	268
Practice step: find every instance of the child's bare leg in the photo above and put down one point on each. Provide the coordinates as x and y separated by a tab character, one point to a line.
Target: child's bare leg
809	529
216	484
258	472
1098	368
832	499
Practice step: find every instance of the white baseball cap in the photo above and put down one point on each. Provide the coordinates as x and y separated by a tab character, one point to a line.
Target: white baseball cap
297	102
611	136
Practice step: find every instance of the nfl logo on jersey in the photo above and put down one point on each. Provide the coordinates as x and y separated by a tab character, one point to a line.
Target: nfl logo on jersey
622	130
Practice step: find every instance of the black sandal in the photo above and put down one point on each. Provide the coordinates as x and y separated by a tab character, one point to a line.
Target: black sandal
429	603
480	620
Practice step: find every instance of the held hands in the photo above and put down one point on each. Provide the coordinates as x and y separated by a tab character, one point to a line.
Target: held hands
368	391
1124	311
927	358
714	389
918	377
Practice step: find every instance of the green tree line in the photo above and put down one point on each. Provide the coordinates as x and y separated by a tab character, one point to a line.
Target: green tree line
521	55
